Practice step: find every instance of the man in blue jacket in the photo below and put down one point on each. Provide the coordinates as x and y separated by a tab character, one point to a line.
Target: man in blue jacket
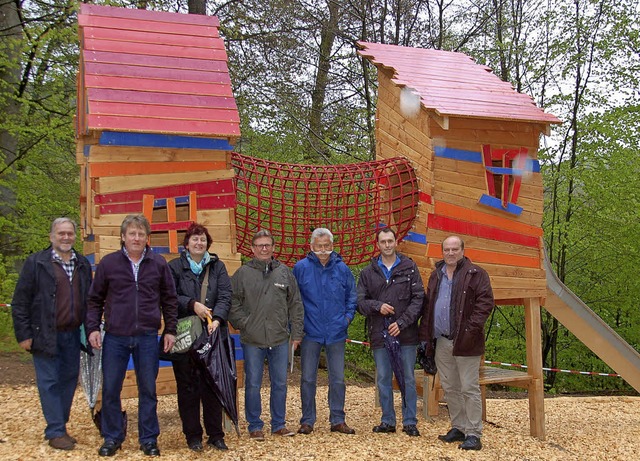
329	297
133	287
48	307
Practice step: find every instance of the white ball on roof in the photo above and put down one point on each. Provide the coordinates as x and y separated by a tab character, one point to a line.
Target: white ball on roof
409	103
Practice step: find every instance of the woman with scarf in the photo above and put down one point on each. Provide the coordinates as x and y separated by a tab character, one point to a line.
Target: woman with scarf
189	271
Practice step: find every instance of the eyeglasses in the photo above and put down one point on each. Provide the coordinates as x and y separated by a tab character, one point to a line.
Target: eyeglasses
263	246
327	247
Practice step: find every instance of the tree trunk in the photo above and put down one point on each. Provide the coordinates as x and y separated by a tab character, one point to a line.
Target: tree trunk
197	6
319	151
11	38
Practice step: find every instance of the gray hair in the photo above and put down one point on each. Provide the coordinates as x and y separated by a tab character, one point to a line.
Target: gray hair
56	222
321	232
262	233
135	220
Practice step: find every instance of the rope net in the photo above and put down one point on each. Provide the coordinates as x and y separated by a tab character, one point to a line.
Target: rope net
351	200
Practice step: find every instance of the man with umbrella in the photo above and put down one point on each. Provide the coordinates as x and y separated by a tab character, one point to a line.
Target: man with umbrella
390	295
133	288
458	303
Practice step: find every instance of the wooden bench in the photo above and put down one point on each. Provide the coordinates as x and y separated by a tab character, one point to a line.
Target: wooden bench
428	386
432	392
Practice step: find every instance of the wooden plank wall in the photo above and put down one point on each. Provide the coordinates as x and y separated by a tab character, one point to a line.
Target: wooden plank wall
508	246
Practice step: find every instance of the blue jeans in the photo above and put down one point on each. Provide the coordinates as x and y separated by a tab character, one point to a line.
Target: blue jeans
57	379
310	357
115	357
384	375
278	359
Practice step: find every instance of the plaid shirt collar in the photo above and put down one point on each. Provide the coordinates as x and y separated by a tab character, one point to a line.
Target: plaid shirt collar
69	267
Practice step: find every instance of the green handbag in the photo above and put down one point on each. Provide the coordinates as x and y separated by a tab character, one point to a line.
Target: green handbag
189	328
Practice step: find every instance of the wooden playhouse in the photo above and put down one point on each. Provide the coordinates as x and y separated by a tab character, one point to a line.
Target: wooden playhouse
156	124
473	141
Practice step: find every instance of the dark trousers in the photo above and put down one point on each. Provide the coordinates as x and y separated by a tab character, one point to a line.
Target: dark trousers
57	379
116	351
193	389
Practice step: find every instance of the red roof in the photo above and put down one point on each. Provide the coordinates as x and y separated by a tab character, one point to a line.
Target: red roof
153	72
451	84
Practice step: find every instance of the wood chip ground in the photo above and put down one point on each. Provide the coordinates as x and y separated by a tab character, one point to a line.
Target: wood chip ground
578	428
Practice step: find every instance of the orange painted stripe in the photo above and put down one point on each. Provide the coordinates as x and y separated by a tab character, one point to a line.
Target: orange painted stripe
483	256
147	207
465	214
193	206
103	170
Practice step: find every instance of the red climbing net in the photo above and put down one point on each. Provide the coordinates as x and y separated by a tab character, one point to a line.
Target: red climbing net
351	200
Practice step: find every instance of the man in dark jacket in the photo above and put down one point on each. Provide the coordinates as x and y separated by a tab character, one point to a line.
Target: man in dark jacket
390	295
132	287
459	301
48	307
328	291
266	308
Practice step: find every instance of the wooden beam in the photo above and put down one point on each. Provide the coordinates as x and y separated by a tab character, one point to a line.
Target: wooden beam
534	364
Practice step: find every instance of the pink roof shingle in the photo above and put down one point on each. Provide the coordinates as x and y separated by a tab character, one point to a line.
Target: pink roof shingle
153	72
451	84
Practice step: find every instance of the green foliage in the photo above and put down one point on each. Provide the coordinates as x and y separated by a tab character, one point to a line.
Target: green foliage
7	339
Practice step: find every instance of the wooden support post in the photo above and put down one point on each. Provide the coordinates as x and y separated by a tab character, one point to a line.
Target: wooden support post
534	362
147	207
171	218
193	206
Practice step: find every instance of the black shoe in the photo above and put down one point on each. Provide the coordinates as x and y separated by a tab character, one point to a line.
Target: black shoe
150	449
384	428
454	435
109	448
471	442
218	444
195	445
411	430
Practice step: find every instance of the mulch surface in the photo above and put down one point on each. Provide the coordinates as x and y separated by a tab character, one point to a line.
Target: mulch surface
578	428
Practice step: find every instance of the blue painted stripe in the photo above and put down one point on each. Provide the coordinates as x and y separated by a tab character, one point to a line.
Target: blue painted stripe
86	150
416	238
116	138
532	166
165	250
500	170
496	203
459	154
162	202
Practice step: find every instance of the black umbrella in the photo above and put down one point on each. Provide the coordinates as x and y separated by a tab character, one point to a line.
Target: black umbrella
392	345
215	356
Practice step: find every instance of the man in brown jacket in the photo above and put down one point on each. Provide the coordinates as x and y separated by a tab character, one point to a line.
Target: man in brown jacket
458	302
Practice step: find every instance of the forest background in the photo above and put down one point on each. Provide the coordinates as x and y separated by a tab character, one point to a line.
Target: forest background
305	96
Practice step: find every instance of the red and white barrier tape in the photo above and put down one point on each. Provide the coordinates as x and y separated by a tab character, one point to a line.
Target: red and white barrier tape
518	365
555	370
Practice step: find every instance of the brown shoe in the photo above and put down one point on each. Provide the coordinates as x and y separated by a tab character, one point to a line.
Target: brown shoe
305	429
73	439
257	435
342	428
284	432
61	443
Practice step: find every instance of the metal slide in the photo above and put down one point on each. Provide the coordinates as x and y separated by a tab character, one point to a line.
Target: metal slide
591	329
